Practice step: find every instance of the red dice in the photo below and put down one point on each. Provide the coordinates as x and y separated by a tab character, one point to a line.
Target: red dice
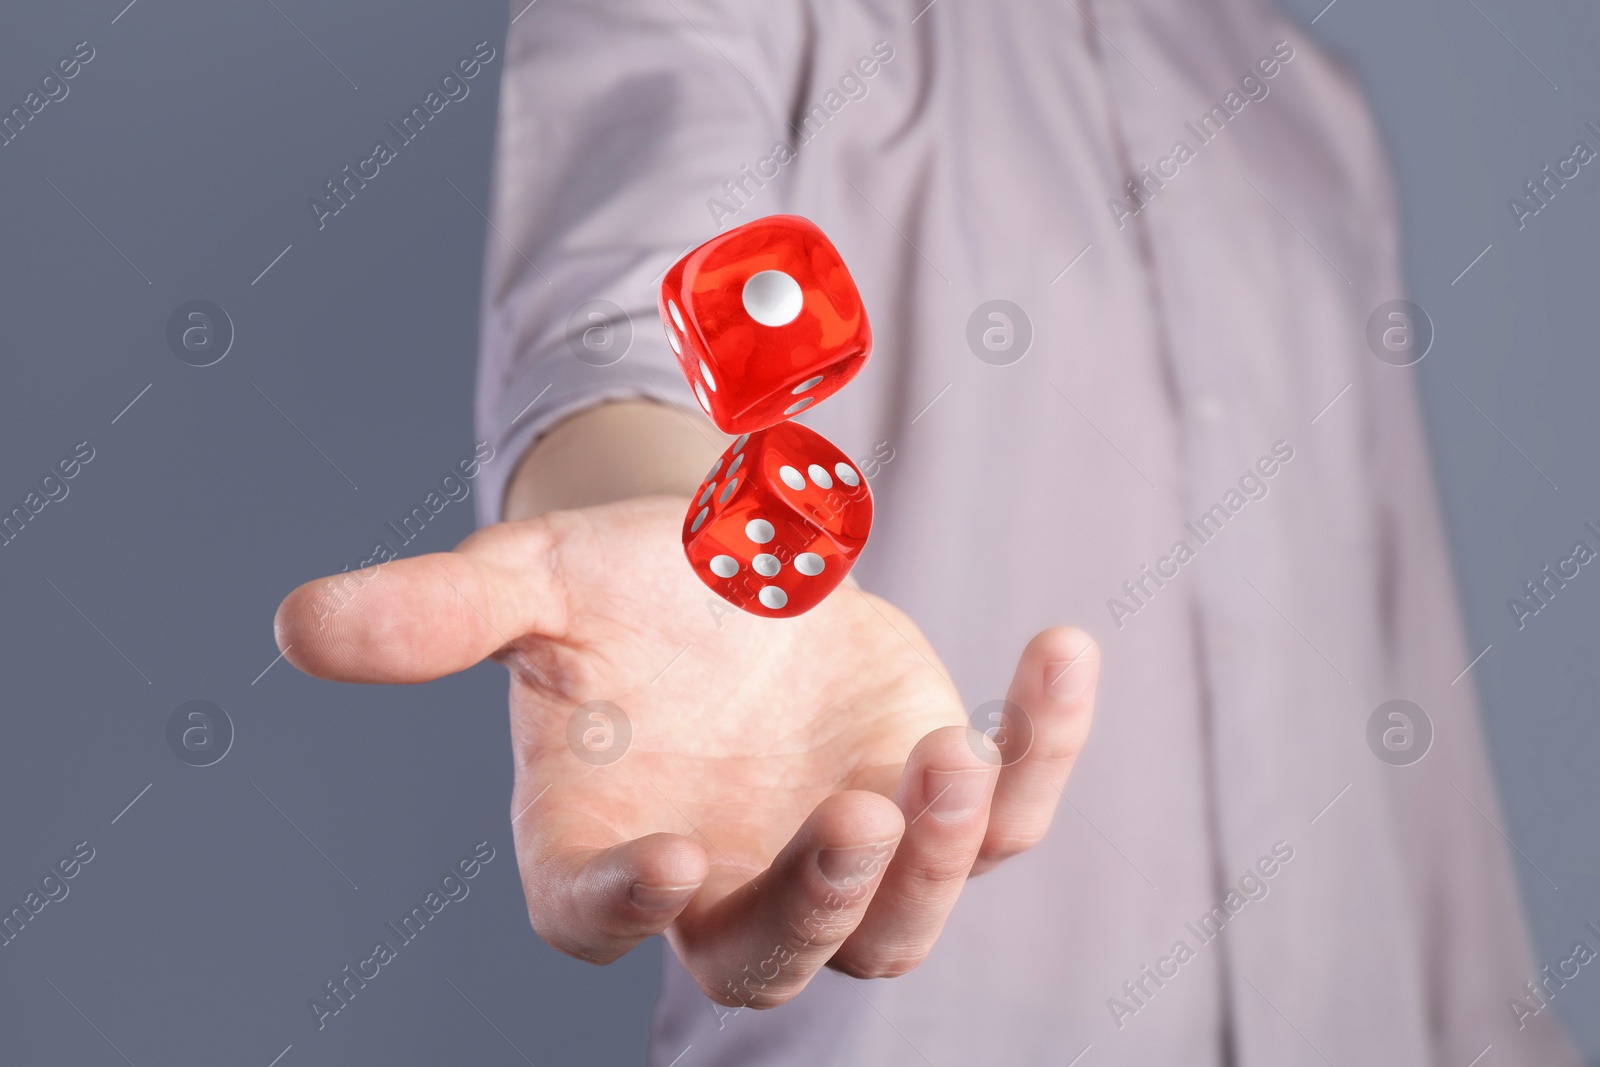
778	522
765	321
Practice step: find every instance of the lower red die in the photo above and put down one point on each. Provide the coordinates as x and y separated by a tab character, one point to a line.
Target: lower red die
778	521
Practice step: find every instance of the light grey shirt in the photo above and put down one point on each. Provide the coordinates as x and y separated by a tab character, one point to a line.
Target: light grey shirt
1183	363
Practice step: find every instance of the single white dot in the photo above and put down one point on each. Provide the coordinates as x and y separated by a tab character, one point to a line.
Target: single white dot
724	566
791	477
739	444
698	519
773	597
801	406
700	395
847	474
809	564
727	490
715	467
766	565
711	487
738	461
759	530
705	372
677	316
820	476
773	298
672	339
807	385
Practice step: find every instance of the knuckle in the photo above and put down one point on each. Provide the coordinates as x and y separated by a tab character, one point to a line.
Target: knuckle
1008	843
723	993
937	871
527	536
823	928
1058	742
874	965
1023	827
994	856
591	954
746	992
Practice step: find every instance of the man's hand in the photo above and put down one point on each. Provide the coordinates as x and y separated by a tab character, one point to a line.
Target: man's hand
795	792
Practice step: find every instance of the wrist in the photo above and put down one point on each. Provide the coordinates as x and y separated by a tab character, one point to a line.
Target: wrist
610	452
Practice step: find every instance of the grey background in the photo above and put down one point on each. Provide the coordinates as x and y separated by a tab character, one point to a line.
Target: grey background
192	141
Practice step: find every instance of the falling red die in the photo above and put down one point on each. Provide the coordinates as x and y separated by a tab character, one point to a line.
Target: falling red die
778	522
765	321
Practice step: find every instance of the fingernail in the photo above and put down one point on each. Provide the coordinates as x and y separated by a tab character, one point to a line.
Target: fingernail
1068	679
847	867
953	795
660	897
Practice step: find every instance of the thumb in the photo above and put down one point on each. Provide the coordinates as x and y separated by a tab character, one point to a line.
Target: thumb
413	620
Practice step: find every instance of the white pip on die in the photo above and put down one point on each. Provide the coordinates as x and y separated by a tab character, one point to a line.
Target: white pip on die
778	522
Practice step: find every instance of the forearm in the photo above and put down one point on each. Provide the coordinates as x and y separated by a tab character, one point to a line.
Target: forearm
612	452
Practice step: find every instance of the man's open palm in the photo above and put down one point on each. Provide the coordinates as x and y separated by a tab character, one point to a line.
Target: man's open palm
773	795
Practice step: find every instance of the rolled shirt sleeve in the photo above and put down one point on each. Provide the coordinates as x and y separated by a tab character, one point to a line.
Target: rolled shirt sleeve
619	121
